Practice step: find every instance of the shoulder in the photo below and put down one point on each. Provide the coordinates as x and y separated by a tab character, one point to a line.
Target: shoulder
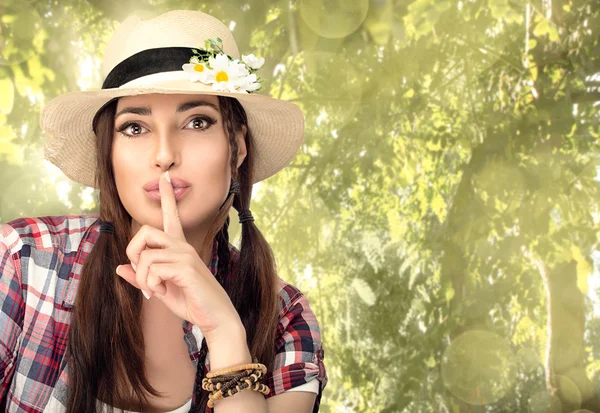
289	297
46	255
297	320
299	358
63	232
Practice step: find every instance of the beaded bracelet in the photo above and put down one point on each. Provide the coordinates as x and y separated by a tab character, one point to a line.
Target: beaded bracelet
222	393
251	366
227	382
218	382
259	387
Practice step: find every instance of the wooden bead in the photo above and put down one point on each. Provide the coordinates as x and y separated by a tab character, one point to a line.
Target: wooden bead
228	382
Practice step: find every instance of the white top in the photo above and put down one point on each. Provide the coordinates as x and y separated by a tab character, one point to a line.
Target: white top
183	409
312	386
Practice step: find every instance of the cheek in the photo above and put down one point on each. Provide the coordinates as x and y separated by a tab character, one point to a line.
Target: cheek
209	169
128	170
214	162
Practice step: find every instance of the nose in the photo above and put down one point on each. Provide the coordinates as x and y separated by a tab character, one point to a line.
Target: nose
167	150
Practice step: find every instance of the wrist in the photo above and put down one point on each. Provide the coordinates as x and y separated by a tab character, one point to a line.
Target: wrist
228	347
227	331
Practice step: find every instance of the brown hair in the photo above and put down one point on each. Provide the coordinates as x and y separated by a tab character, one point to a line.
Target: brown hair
105	345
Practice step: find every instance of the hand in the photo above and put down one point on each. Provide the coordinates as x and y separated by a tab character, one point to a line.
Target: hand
165	265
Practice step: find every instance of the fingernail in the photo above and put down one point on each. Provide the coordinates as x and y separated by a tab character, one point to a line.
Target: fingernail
134	266
167	176
146	295
159	295
117	270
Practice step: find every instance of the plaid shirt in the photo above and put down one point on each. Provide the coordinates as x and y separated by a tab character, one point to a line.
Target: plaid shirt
40	265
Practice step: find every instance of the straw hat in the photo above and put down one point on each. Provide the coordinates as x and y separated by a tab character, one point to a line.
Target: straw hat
169	54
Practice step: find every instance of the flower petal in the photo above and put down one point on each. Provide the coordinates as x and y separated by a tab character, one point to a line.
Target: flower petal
252	61
219	86
221	62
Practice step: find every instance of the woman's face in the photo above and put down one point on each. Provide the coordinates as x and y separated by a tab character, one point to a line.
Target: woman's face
180	133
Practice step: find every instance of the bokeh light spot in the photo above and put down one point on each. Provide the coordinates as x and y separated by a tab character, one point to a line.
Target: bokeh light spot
543	402
479	367
334	18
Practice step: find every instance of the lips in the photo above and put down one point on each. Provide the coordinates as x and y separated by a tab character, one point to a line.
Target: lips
175	182
180	188
179	193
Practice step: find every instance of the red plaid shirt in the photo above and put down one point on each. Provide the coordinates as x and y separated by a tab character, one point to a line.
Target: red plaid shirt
40	265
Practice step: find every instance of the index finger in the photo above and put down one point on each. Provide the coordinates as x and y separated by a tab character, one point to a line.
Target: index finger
168	204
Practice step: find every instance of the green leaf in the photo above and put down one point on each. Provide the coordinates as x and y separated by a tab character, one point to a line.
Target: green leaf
8	147
395	225
533	69
410	258
576	253
39	40
8	18
449	293
7	95
415	271
532	44
583	269
434	147
372	248
438	205
544	27
364	291
499	8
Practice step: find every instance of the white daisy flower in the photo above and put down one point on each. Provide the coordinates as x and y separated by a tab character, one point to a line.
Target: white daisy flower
249	84
197	70
225	74
240	67
252	61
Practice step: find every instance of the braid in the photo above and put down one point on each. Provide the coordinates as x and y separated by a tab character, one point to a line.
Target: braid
224	258
201	396
227	112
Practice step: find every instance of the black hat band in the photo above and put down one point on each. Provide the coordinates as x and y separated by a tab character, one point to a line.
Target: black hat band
149	62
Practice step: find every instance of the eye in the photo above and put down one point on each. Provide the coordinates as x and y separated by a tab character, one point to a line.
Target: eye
134	127
202	122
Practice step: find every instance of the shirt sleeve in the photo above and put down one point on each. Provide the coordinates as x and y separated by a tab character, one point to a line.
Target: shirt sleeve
12	308
299	351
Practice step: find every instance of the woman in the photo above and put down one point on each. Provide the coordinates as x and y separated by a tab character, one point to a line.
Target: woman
174	139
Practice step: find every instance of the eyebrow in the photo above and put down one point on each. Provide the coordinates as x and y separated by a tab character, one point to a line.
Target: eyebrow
146	111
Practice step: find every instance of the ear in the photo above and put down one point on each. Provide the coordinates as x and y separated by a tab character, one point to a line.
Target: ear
242	152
